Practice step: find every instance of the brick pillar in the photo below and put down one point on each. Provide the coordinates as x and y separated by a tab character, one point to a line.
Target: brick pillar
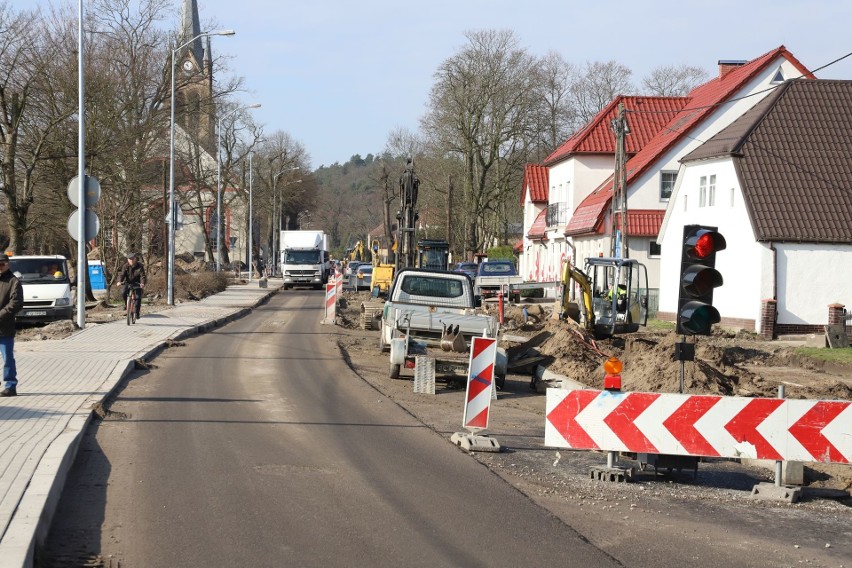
768	313
836	314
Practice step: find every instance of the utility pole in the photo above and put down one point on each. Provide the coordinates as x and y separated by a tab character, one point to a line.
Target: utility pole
449	213
618	212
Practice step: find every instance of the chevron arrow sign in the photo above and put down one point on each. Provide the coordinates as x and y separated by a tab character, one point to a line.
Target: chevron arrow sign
693	425
480	382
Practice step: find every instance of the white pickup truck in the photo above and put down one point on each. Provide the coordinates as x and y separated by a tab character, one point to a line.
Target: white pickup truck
496	276
433	313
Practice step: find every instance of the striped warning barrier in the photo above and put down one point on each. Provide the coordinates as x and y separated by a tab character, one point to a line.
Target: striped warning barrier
700	425
480	382
330	303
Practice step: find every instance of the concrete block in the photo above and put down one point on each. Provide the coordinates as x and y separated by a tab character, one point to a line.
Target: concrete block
792	472
611	474
475	442
772	492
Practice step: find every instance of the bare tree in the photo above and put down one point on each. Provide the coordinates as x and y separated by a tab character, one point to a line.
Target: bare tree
598	83
558	116
479	113
32	109
674	80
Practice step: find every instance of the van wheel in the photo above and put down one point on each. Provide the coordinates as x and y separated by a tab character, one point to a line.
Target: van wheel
394	371
500	381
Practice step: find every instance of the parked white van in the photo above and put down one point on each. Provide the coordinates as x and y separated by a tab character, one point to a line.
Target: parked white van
47	288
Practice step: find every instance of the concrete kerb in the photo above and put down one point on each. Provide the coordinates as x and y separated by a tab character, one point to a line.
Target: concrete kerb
548	377
34	514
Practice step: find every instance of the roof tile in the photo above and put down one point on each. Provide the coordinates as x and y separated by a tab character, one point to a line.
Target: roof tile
703	100
536	179
793	154
597	138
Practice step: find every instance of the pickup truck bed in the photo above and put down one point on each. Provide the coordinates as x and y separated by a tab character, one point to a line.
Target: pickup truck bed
422	305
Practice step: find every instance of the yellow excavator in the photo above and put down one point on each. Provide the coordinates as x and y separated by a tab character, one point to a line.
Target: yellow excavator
614	295
382	273
357	252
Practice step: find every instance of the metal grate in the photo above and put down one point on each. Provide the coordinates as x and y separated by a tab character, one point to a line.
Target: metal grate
424	375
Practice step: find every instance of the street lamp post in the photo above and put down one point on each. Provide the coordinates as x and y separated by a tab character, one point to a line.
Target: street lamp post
219	182
172	215
250	225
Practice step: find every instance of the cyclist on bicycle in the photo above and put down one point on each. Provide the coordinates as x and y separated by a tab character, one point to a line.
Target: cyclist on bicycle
133	274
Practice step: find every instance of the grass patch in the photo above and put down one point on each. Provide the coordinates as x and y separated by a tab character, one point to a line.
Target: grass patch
842	356
659	325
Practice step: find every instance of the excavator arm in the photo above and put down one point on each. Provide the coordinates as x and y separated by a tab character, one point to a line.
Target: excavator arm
587	314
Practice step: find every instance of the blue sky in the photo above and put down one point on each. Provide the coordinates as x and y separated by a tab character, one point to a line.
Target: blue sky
339	75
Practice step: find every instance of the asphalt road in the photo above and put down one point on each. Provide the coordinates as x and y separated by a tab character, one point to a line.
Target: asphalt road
255	445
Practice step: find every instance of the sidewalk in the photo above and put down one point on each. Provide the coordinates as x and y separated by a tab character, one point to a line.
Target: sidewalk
60	381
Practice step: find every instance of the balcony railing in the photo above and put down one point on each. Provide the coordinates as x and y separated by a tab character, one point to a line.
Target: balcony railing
557	214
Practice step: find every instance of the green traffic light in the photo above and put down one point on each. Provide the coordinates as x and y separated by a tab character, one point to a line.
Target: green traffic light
696	318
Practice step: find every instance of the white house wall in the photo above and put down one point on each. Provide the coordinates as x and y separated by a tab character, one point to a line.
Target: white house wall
571	181
531	212
810	277
644	191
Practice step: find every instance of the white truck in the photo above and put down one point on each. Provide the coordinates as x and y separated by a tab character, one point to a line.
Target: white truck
496	276
47	288
304	258
433	313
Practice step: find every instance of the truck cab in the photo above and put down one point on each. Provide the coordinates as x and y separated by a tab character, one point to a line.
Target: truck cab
47	288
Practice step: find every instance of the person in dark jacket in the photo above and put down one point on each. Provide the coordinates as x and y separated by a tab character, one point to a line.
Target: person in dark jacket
11	302
133	274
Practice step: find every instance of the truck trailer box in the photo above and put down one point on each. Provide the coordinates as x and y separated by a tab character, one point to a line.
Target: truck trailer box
304	258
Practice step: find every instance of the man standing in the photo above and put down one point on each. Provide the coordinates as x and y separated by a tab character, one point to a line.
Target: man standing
133	274
11	302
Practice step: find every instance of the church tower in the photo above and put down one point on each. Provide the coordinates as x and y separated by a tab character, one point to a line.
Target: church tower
194	108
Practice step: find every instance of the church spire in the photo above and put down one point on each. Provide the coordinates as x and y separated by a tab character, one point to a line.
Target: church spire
190	26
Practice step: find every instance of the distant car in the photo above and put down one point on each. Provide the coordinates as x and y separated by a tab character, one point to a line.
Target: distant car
351	267
468	268
497	268
363	277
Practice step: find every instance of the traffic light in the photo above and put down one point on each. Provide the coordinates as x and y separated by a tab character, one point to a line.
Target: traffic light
698	278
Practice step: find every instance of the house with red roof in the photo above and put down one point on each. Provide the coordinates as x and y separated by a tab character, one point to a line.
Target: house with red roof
534	204
776	184
652	172
552	192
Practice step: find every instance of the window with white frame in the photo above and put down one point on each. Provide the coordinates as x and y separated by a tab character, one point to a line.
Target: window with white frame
711	192
667	183
702	191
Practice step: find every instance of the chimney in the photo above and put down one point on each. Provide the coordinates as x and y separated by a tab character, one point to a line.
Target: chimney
728	65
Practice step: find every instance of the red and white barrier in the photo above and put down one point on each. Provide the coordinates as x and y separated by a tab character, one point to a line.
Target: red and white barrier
695	425
480	382
330	303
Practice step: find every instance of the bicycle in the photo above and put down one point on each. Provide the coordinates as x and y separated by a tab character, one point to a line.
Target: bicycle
130	306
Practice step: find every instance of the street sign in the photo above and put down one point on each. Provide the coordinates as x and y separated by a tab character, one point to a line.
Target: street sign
93	225
700	425
93	191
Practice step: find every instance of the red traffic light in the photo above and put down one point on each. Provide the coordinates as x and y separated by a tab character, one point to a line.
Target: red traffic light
698	278
704	243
